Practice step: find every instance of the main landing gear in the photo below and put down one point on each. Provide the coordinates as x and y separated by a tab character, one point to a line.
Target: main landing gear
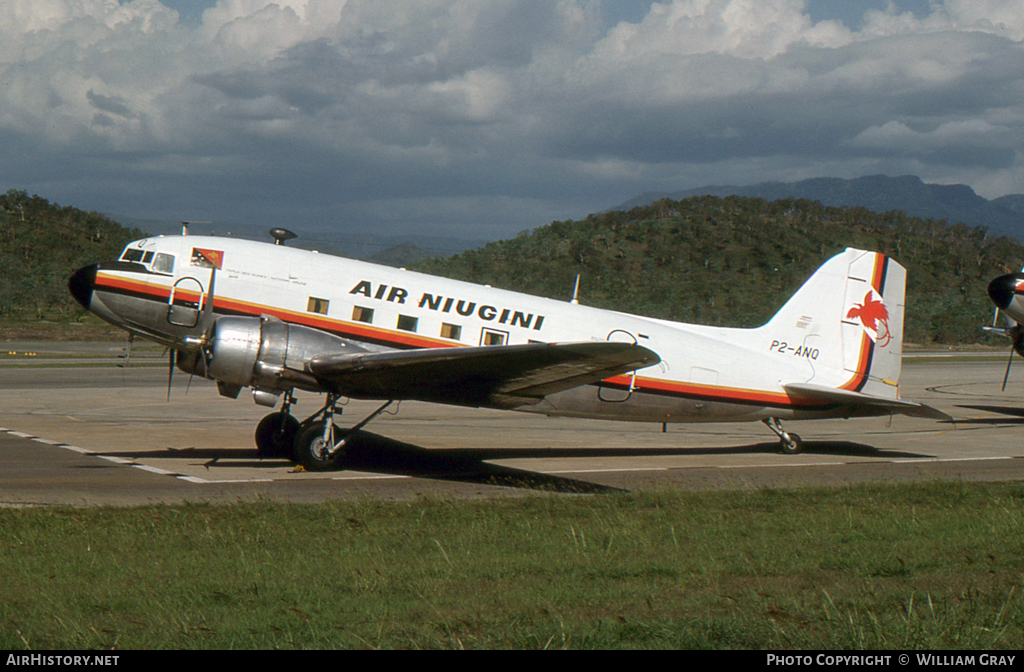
791	443
275	435
316	443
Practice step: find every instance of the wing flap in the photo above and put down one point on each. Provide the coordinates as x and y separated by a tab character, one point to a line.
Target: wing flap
858	399
502	376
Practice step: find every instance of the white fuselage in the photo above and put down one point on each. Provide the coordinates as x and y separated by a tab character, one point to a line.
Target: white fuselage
705	373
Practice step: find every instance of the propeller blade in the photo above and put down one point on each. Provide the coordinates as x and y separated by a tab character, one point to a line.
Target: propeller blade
201	339
170	370
207	319
204	354
127	356
206	323
1006	375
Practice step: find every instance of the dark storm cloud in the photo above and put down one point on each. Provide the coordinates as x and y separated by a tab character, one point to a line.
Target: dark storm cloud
492	114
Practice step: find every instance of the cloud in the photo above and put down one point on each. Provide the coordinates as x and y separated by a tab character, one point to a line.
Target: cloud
963	143
309	108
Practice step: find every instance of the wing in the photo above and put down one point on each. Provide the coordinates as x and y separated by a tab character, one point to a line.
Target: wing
499	376
867	401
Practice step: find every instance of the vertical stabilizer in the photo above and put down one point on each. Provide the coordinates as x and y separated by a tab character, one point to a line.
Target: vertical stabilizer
846	321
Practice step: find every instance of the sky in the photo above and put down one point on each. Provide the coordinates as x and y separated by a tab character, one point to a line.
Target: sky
482	118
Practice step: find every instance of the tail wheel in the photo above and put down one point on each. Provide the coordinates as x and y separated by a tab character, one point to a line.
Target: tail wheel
275	435
315	454
792	444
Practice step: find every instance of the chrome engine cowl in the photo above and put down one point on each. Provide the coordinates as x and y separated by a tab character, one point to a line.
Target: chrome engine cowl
263	353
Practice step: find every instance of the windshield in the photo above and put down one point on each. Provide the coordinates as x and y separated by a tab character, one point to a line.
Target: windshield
158	262
131	254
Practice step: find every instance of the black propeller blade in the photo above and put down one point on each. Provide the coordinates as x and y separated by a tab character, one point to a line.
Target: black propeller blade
1017	336
171	352
1006	376
205	331
208	320
127	356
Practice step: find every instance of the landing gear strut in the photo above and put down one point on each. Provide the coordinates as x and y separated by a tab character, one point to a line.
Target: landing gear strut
320	444
791	443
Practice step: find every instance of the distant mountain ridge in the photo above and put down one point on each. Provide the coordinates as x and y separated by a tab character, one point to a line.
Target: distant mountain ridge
1003	216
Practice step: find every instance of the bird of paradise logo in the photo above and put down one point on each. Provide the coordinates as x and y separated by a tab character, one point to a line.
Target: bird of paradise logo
874	318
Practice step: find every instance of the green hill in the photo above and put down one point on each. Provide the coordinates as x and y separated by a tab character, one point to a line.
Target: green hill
729	261
734	261
41	244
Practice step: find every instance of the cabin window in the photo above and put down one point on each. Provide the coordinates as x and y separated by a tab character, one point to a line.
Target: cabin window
134	254
407	323
452	331
493	337
316	305
360	314
164	263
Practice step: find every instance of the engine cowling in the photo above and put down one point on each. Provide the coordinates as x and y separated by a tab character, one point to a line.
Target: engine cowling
264	353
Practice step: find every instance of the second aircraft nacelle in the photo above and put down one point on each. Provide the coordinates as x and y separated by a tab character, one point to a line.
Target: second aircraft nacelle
1007	293
263	353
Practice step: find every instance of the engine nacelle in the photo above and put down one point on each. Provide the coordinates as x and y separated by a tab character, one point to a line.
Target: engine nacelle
263	353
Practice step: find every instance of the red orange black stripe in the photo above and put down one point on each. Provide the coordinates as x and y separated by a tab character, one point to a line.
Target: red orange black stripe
226	306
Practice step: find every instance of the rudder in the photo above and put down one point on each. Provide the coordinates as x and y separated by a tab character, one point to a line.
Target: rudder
873	325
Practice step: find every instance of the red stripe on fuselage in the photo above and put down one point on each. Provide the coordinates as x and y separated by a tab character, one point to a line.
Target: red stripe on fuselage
735	395
359	331
355	330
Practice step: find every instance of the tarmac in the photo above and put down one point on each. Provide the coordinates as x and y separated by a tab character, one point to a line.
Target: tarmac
77	429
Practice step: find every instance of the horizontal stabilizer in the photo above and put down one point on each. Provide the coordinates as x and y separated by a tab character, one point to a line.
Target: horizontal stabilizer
859	399
502	376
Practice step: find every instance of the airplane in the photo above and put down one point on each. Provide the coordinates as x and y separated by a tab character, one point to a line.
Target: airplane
1007	293
276	319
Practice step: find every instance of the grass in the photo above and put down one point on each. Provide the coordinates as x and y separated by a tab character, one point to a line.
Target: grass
868	567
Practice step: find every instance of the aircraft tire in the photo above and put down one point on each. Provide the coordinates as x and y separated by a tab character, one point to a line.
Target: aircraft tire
275	435
309	448
794	445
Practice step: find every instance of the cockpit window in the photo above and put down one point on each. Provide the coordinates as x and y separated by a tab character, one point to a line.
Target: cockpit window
132	254
164	263
148	258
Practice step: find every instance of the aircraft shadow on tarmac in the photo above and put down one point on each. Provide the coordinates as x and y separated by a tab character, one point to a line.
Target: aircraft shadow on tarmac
1017	415
378	454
